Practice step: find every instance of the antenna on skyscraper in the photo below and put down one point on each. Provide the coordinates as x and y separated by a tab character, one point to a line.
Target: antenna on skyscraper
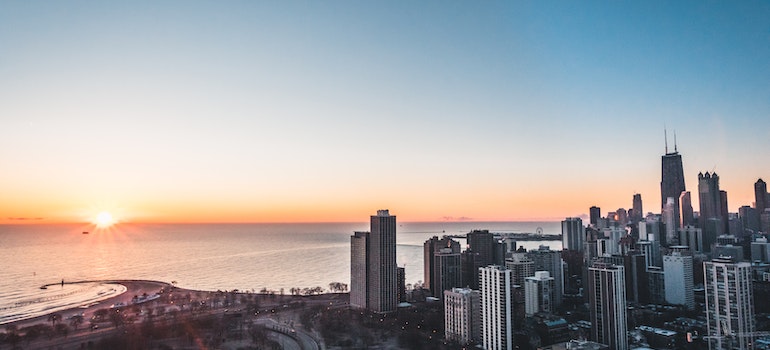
665	137
675	151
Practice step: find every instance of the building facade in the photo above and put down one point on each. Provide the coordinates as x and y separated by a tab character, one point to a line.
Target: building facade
678	277
538	293
607	304
549	260
382	276
462	315
672	181
496	308
430	248
729	304
573	234
359	270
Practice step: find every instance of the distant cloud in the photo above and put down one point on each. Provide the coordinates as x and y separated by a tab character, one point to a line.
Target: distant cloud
452	218
25	219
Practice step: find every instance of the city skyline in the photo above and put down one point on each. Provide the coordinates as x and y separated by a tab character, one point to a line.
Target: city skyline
289	112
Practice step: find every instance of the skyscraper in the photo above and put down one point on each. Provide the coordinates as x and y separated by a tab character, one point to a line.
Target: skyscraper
550	260
573	234
359	270
482	243
710	198
678	277
447	271
595	213
382	278
638	210
672	180
729	303
669	221
462	317
607	304
496	308
685	207
538	293
760	196
521	267
430	248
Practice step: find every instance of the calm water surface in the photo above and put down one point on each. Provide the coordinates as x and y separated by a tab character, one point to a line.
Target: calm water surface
209	257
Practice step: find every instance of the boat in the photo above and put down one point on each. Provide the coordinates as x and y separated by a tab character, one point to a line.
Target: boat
85	232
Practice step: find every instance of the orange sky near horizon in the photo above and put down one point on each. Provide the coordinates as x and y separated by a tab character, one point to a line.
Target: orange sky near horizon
455	206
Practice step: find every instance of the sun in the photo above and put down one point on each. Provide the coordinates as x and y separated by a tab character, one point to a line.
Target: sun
104	220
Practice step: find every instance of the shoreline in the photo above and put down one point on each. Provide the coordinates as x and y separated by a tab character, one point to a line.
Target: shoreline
132	288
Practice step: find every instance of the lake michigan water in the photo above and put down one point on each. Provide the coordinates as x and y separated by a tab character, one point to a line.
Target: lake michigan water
206	257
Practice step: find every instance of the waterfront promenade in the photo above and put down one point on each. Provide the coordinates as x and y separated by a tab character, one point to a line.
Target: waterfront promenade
224	319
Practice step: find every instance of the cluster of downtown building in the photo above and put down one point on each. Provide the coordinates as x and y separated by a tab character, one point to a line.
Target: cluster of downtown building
709	263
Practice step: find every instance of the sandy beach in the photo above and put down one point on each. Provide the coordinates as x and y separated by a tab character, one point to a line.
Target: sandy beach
132	288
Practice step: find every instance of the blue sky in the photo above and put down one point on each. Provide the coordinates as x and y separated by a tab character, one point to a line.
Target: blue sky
283	111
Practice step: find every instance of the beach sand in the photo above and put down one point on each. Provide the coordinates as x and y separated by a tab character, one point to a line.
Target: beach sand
133	288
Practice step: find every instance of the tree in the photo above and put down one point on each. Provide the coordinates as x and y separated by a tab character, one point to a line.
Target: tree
101	314
62	329
54	318
76	321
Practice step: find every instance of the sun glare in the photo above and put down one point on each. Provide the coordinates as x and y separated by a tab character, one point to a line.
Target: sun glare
104	219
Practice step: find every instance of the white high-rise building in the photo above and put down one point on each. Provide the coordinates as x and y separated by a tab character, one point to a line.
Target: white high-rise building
678	277
462	317
496	307
729	304
607	304
538	293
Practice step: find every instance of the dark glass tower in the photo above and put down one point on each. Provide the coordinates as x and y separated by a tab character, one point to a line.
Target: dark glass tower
672	181
760	196
382	277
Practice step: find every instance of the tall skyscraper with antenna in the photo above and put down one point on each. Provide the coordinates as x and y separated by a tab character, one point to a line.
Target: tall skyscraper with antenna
672	179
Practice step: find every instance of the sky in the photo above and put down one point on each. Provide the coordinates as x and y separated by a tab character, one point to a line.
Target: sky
297	111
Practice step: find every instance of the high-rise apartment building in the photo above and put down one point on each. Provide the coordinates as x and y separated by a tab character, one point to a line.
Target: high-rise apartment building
685	208
521	267
594	214
447	271
672	180
637	208
359	269
462	315
496	307
678	277
710	199
573	234
607	304
373	272
669	222
749	219
538	293
692	237
430	248
482	242
549	260
729	304
760	196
